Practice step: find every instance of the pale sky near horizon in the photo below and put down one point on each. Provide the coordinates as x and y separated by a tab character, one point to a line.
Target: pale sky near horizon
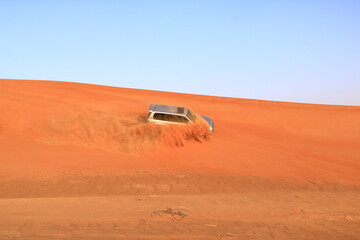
297	51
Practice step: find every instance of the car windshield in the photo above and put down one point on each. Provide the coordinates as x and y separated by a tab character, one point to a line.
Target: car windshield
190	115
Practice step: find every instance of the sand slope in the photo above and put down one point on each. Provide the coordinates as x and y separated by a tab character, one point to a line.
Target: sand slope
90	145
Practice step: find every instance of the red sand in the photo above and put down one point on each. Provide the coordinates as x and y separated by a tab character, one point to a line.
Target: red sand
78	161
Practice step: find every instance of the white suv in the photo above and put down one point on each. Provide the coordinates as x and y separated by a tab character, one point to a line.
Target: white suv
165	114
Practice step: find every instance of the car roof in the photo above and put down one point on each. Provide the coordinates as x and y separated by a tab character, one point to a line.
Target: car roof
168	109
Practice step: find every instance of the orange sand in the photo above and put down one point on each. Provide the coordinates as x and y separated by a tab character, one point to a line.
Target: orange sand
271	170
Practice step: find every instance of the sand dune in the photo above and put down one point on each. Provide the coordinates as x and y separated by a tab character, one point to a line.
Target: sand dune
71	143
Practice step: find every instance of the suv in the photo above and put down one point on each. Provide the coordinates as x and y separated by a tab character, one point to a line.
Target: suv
165	114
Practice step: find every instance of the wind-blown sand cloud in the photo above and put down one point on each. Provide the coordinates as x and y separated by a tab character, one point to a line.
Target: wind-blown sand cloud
119	131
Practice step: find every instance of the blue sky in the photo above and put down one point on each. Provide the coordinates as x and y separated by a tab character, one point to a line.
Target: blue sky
298	51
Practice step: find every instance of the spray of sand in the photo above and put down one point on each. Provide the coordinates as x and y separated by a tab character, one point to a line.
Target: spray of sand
118	132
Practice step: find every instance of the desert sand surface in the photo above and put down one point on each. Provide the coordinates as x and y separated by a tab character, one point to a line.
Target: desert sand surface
79	161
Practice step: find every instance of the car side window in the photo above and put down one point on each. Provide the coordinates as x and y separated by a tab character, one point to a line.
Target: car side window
182	119
160	116
170	118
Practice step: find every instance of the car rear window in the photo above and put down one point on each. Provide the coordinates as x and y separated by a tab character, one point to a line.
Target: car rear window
170	118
